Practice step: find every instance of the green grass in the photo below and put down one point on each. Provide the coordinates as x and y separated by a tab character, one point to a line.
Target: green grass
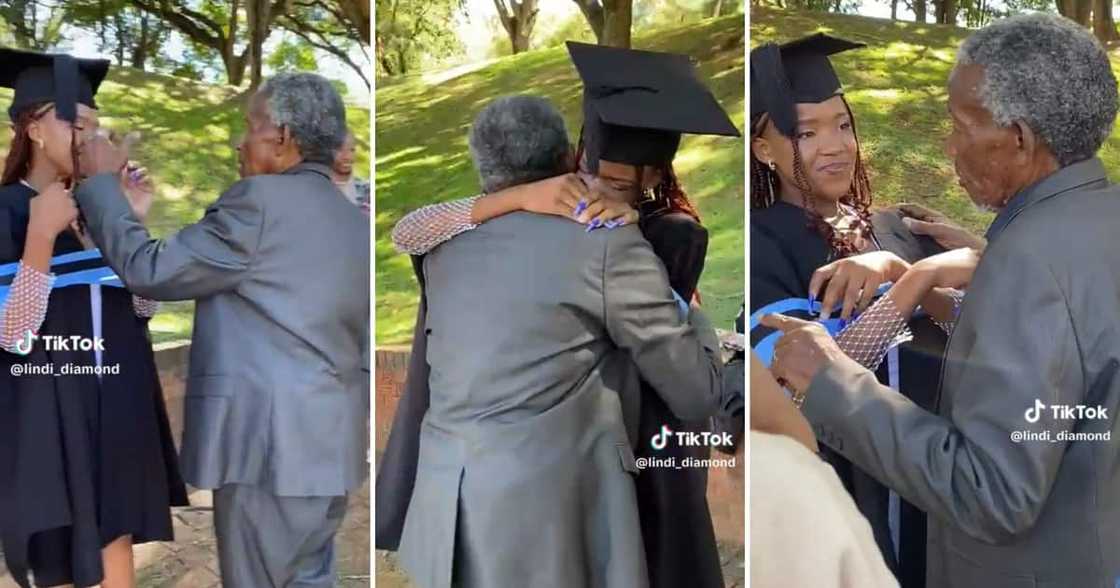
897	89
422	156
189	131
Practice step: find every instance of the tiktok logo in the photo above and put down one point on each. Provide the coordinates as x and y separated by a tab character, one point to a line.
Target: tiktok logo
1033	414
660	440
24	345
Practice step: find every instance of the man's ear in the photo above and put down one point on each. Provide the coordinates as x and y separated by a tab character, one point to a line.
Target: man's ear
1026	139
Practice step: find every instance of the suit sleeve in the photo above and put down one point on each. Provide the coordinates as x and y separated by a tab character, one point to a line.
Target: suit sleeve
965	469
208	257
679	359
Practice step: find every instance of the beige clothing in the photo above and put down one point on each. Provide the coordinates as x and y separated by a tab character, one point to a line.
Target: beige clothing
805	531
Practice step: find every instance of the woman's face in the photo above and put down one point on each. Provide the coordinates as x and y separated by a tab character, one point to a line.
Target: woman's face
55	136
620	181
828	146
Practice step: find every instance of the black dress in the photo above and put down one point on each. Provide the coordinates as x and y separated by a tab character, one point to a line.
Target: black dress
785	251
83	460
677	530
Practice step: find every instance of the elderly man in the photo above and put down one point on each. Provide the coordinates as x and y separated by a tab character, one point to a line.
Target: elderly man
278	392
1018	468
526	473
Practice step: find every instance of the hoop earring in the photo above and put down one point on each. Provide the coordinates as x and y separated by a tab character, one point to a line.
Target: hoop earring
41	144
649	195
773	166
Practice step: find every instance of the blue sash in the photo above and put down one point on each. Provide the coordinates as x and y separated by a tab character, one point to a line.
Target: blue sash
765	348
71	269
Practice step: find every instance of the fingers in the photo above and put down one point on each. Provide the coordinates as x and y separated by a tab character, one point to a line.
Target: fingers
782	323
870	288
851	298
834	294
919	212
592	210
821	276
920	227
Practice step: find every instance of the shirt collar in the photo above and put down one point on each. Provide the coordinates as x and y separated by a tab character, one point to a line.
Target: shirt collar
1064	180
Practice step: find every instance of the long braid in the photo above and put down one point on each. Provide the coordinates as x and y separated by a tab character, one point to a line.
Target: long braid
765	187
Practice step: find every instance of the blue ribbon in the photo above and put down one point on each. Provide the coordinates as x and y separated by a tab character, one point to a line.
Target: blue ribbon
765	348
102	275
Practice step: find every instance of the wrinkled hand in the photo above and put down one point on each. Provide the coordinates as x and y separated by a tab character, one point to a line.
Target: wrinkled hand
137	187
52	211
854	280
952	269
804	349
100	155
924	221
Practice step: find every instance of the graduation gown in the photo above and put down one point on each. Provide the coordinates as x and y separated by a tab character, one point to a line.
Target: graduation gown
677	531
785	251
83	461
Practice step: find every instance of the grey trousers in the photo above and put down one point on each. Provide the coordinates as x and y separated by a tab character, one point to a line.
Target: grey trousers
269	541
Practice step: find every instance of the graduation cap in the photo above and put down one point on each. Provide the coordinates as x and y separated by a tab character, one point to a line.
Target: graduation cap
797	72
636	104
41	77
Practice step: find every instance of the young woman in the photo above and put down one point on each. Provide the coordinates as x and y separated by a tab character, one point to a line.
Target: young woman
89	465
624	175
814	235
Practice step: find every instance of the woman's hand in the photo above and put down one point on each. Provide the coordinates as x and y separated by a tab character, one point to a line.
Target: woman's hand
558	196
52	211
606	213
952	269
924	221
854	281
137	187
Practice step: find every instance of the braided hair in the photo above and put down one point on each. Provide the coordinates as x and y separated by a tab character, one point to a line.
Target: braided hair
765	189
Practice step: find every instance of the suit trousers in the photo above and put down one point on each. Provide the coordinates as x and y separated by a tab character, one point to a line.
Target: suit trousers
273	541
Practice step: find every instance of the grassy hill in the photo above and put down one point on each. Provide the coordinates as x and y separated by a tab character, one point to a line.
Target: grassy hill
189	131
897	89
422	155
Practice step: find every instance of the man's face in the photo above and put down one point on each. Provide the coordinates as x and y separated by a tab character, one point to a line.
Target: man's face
344	159
261	146
989	162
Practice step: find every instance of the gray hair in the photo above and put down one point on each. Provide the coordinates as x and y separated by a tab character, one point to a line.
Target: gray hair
1051	74
311	109
516	140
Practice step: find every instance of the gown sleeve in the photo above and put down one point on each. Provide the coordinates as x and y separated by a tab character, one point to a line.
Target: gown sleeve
423	229
681	243
25	308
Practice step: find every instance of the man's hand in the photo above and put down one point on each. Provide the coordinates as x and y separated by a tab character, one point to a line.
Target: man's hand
804	349
924	221
99	155
854	281
137	187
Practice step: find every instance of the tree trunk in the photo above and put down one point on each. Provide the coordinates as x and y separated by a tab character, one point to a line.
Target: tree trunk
518	20
593	12
894	9
920	10
618	16
1083	12
140	52
257	15
946	11
1104	27
717	8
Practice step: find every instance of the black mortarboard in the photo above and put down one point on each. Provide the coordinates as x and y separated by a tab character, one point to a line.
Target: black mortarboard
636	104
40	77
797	72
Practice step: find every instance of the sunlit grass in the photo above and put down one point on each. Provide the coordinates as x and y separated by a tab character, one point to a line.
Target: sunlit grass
897	90
188	133
422	155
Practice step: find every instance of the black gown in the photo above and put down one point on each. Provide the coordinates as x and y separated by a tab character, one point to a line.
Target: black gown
83	461
677	530
785	252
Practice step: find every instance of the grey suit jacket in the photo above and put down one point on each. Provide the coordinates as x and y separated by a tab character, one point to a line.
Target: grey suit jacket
278	388
525	475
1040	323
